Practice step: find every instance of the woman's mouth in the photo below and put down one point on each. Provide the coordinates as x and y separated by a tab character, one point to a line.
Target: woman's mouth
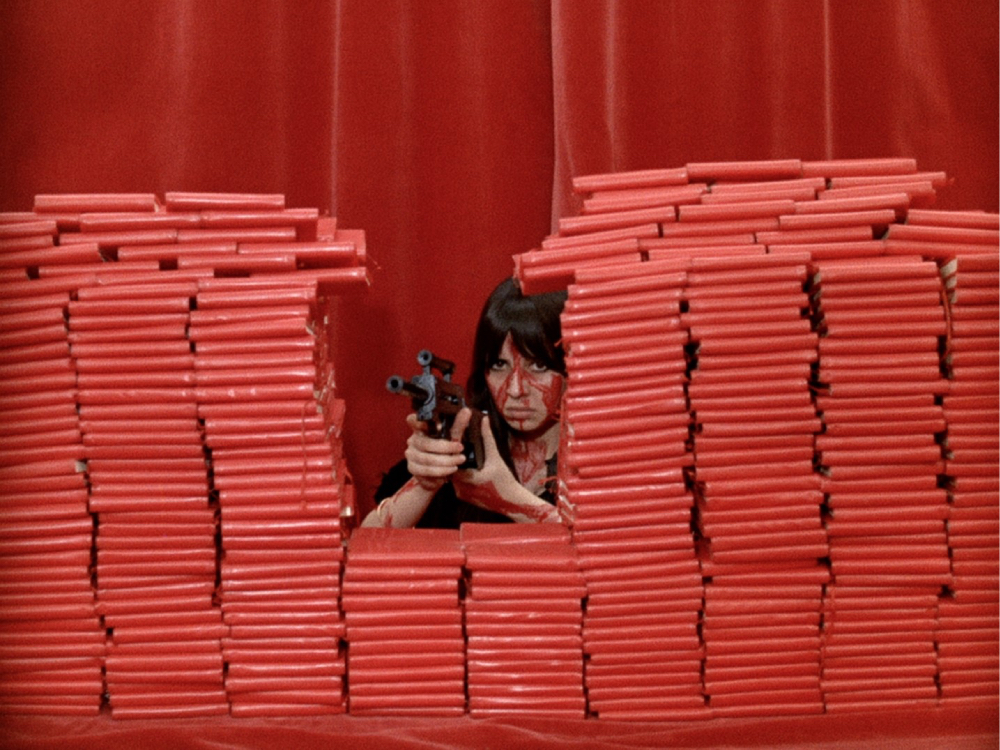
519	412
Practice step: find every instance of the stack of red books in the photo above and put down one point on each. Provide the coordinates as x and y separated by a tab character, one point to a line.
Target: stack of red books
156	557
52	643
523	620
404	622
881	379
968	617
622	210
277	470
624	495
125	267
758	495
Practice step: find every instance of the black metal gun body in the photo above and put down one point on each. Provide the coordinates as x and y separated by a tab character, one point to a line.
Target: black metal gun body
437	401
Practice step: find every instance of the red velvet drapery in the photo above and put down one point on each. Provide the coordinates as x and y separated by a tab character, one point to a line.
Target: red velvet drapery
450	130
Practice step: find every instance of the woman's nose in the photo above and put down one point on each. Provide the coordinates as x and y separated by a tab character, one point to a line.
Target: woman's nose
515	383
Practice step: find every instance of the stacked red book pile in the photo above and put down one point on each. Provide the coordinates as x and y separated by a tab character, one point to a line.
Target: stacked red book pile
880	372
404	622
624	495
126	267
51	641
217	233
277	465
884	406
968	616
758	496
523	619
156	557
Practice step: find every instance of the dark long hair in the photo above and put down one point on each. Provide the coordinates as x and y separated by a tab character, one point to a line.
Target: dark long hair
534	326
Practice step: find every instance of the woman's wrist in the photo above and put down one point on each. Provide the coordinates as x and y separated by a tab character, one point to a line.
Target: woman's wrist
403	509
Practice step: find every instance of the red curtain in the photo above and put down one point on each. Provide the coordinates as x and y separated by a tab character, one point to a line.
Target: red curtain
450	130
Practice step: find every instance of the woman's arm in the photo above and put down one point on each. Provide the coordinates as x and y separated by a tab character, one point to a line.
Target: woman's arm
494	487
431	462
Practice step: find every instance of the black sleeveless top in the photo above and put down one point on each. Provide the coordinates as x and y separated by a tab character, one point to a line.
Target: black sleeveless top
446	510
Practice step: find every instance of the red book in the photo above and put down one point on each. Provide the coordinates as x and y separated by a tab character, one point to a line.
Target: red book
242	262
940	251
718	228
190	201
644	230
859	222
130	221
769	304
858	167
797	192
575	225
774	169
633	179
309	254
626	200
71	255
958	235
792	235
828	251
86	202
921	192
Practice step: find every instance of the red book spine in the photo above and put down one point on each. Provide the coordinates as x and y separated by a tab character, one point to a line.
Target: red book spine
113	239
33	242
237	234
796	193
966	219
624	200
309	254
249	218
173	251
814	221
240	262
858	167
93	202
959	235
634	179
898	201
573	225
737	211
642	231
936	179
776	169
917	190
126	222
188	201
708	228
28	228
534	258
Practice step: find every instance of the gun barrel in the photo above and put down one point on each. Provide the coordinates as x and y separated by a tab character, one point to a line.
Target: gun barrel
425	358
396	384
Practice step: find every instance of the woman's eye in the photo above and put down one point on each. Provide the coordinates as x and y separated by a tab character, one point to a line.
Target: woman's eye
537	367
498	365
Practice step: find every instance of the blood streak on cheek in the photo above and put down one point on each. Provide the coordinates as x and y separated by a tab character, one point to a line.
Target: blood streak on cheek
500	392
551	393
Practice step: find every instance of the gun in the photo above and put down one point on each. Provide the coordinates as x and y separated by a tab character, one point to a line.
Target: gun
437	401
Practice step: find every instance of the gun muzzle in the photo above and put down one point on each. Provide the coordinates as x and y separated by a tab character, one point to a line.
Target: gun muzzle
425	358
396	384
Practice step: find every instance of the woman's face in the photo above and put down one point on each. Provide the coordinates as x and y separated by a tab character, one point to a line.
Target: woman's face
527	393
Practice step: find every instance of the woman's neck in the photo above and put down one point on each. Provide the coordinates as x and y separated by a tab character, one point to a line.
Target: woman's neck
530	453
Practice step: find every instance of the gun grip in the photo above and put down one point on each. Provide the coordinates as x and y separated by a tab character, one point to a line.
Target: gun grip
472	442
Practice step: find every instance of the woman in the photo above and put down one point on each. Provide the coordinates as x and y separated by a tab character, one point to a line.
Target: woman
517	380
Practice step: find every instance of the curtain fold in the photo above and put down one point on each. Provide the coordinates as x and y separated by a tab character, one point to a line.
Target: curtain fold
450	130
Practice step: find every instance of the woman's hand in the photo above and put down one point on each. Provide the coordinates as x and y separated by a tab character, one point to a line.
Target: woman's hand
494	487
432	461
